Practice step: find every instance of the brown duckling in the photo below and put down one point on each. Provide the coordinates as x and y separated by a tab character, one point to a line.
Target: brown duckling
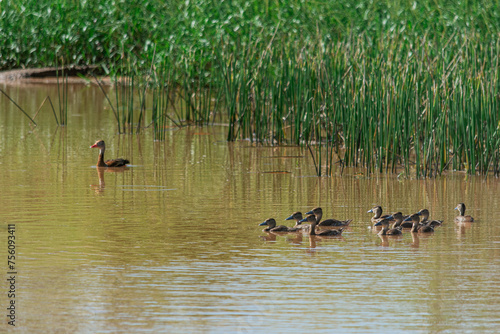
461	218
109	163
318	213
377	214
398	218
394	230
271	223
424	213
313	221
297	216
407	222
415	218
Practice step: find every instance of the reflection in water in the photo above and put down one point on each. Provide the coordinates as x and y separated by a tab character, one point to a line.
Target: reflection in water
415	241
385	240
180	233
99	188
461	228
296	239
312	241
269	237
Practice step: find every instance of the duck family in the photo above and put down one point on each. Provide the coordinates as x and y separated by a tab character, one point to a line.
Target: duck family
334	227
391	224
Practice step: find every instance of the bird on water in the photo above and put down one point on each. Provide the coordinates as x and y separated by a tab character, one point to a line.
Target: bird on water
109	163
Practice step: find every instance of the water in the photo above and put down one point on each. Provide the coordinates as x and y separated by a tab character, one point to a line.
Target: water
172	243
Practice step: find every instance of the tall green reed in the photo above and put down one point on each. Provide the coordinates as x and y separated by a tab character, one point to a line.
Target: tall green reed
408	108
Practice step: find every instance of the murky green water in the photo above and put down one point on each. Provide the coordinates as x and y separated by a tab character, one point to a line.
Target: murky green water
172	243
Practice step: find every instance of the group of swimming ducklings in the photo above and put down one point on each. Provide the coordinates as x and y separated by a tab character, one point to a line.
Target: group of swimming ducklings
418	222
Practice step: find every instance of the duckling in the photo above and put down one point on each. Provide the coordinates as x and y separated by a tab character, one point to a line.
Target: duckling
461	218
407	222
313	221
415	218
318	212
377	214
394	230
271	223
396	216
297	216
424	213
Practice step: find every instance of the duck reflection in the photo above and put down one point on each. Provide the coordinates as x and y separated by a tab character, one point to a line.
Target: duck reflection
312	241
461	228
296	239
99	188
270	237
415	240
384	239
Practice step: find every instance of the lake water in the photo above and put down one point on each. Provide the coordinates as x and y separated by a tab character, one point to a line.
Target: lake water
171	244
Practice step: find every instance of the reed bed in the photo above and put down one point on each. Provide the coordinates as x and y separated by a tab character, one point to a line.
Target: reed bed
406	109
391	87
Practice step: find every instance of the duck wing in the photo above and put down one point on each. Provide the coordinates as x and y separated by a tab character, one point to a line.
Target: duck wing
117	163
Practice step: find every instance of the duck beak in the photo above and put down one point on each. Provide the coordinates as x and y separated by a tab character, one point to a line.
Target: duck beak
377	224
93	146
371	210
389	218
303	220
262	224
290	218
309	213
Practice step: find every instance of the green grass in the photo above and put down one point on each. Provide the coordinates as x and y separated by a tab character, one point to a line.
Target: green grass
388	86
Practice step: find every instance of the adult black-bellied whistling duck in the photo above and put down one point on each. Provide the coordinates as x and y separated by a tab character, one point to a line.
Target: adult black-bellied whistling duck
110	163
318	213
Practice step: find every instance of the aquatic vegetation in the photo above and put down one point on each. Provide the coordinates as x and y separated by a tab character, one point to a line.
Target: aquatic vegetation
62	95
400	87
405	107
18	107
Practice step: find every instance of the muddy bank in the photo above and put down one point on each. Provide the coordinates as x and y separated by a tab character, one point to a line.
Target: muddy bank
77	74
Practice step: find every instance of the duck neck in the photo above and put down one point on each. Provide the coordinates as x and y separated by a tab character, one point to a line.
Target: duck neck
318	217
414	228
384	230
312	231
100	160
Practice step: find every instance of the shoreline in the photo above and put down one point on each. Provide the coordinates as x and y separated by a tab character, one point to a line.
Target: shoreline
49	75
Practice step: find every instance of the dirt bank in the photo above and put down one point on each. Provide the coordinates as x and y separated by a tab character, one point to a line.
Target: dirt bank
77	74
